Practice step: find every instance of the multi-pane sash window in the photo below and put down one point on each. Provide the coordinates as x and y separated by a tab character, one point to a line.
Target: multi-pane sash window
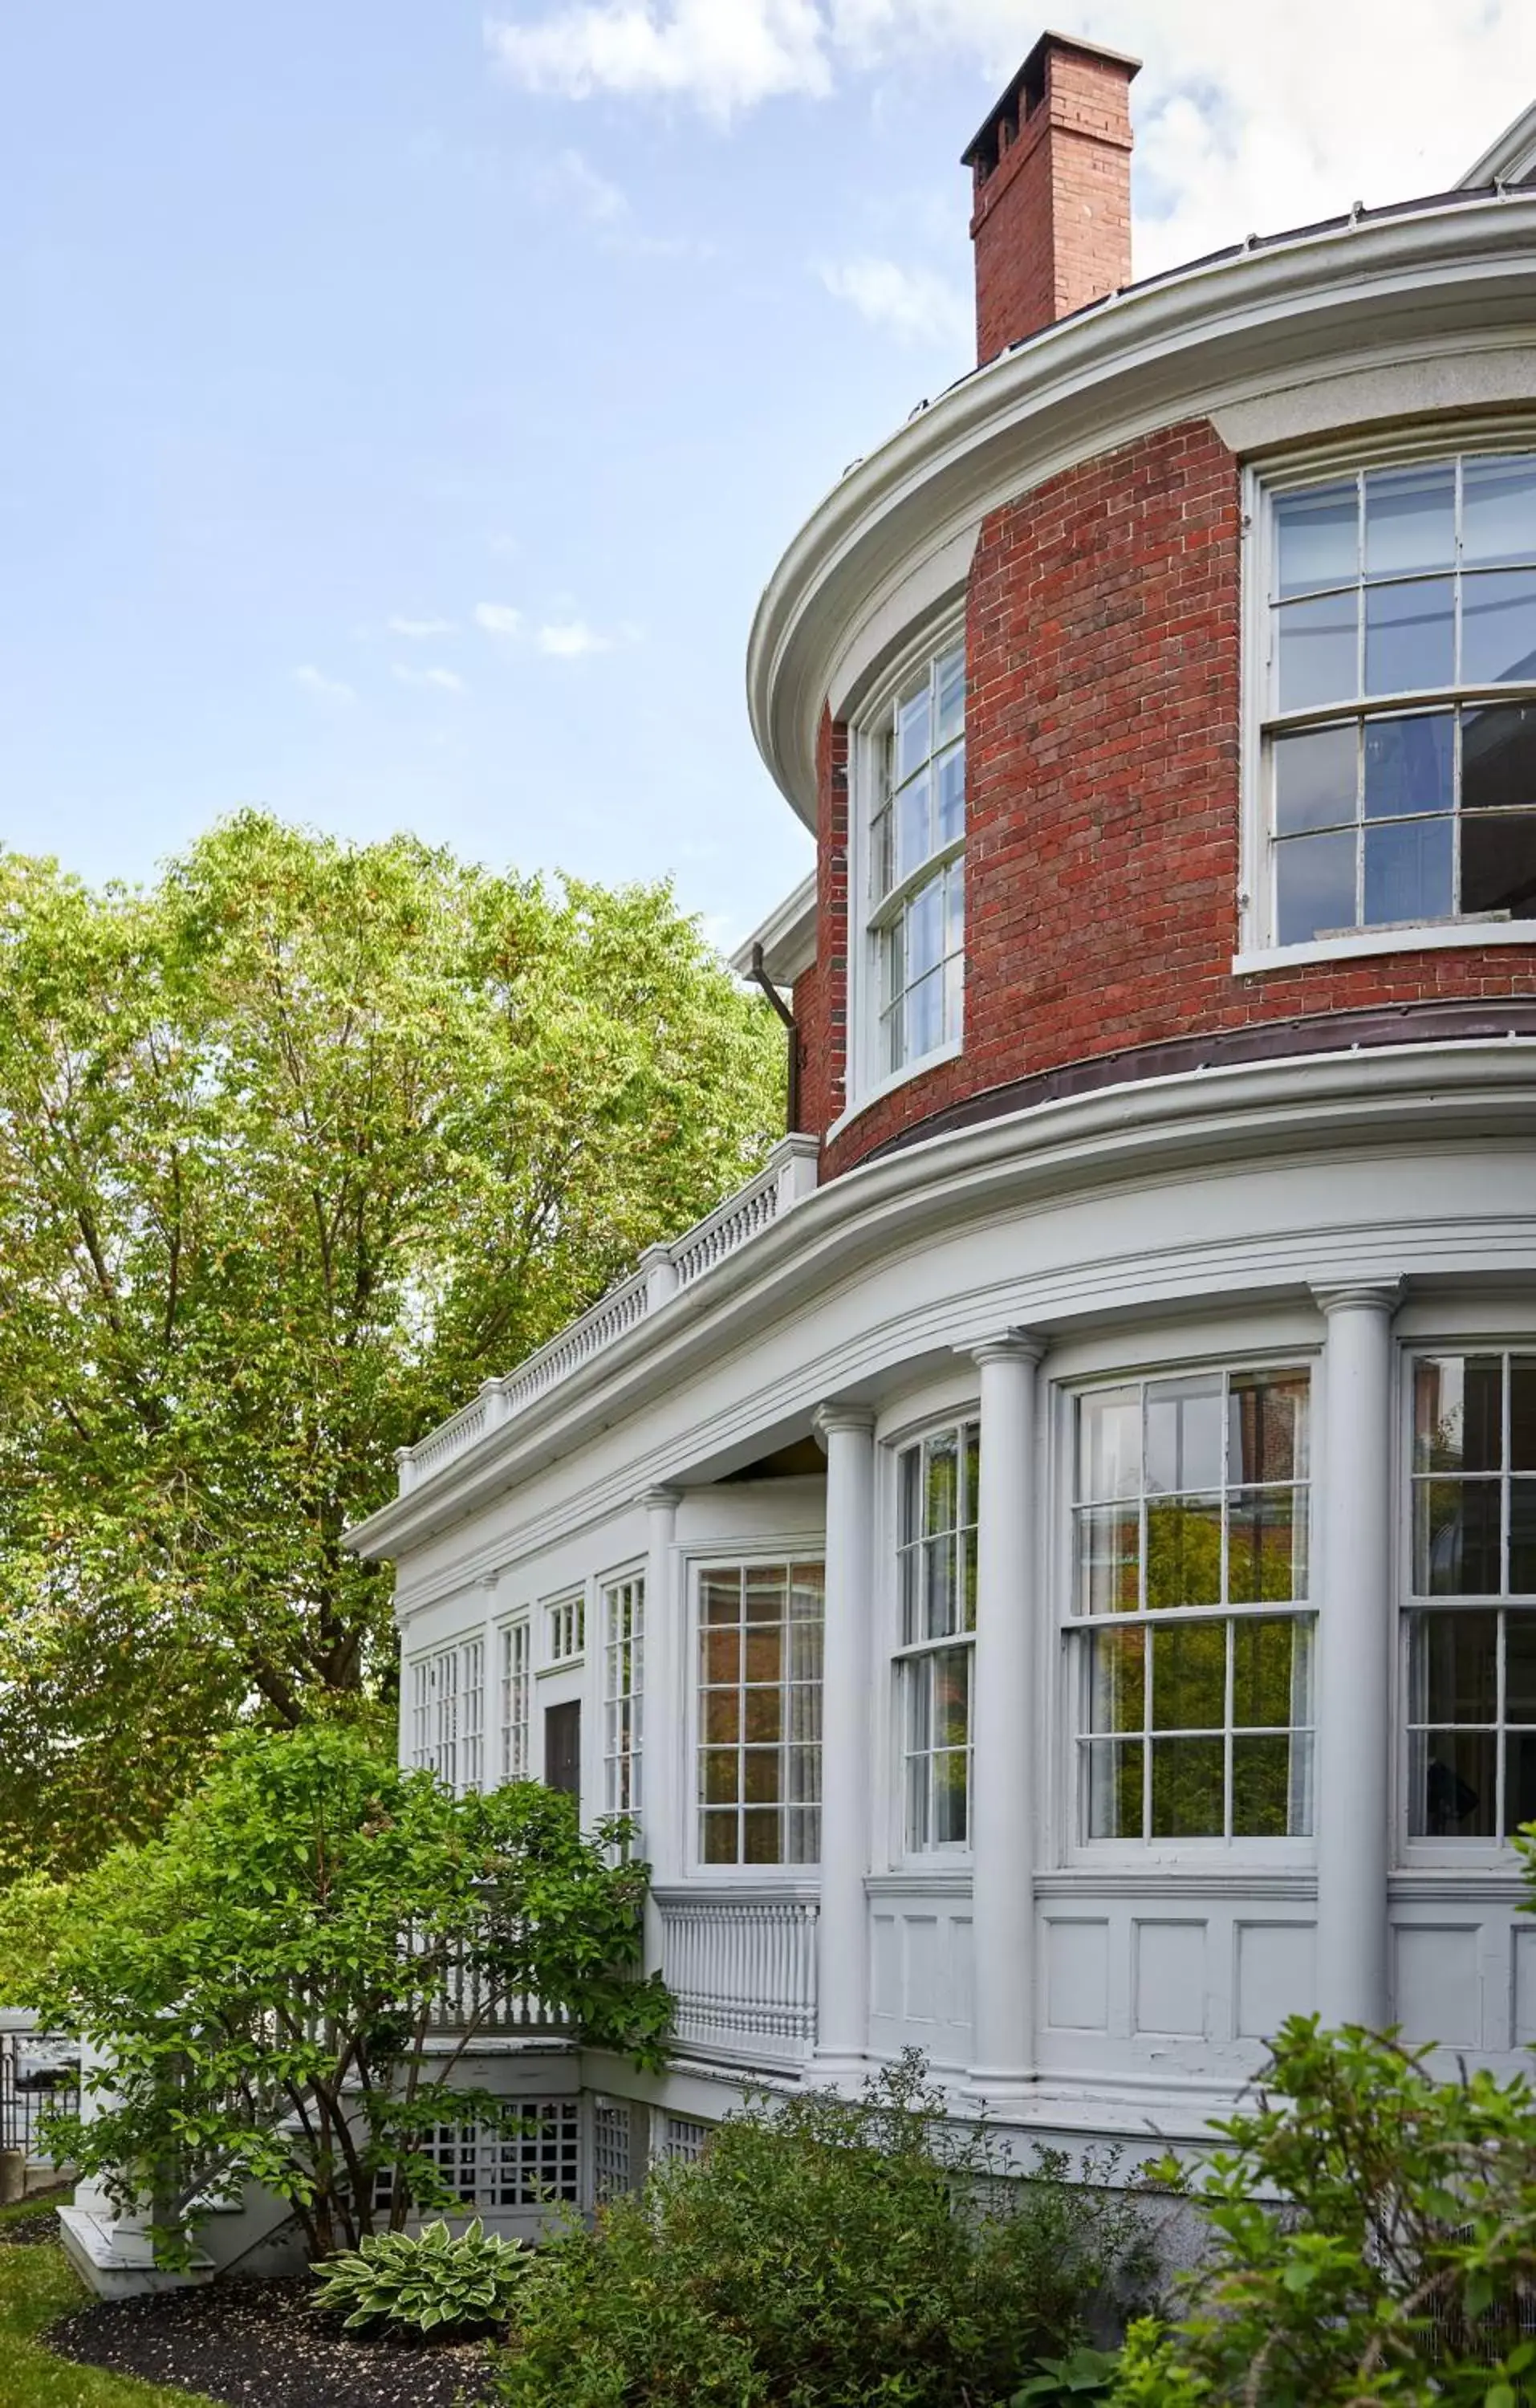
1400	731
448	1714
760	1713
1471	1656
623	1685
936	1548
516	1668
1195	1682
917	864
566	1623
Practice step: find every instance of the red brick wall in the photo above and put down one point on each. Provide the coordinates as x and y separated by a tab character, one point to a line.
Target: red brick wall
821	994
1101	865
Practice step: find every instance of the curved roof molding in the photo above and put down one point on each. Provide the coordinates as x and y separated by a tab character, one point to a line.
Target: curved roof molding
1511	159
1452	275
787	937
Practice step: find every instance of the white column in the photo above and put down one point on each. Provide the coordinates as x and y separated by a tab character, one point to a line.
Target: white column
842	1941
664	1750
1355	1658
1008	1722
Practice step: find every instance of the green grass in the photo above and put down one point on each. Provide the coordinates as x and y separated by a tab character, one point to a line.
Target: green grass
37	2286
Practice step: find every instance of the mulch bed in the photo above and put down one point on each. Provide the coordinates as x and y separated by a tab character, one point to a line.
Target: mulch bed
26	2231
246	2342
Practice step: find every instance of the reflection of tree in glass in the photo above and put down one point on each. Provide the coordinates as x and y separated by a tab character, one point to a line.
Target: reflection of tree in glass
1184	1552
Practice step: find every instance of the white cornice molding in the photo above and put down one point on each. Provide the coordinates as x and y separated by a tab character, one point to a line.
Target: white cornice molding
1201	1123
787	937
1451	277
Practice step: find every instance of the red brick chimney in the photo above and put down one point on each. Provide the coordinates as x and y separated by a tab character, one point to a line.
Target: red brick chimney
1052	169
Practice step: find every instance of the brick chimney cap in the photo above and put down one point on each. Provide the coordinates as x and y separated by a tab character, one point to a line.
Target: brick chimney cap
1031	82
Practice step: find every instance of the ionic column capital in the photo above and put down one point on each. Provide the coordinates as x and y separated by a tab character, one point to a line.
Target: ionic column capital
1010	1346
1357	1296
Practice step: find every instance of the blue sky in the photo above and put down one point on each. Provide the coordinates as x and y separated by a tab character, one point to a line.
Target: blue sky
404	403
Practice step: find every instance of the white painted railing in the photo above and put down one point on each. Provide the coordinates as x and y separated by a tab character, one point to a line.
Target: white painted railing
742	1971
665	1271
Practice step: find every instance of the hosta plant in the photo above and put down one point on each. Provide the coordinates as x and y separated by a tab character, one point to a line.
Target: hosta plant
428	2281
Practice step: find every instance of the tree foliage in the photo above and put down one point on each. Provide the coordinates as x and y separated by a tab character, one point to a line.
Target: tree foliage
264	1981
295	1149
1374	2237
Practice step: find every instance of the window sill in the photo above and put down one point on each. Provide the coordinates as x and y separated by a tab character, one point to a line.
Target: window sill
1438	937
888	1086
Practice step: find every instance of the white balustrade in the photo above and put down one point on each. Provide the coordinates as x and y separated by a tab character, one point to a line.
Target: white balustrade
742	1972
788	1176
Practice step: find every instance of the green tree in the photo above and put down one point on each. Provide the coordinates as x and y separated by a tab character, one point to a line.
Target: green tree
262	1981
296	1148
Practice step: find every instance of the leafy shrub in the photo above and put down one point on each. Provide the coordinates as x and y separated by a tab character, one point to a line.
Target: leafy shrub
1076	2382
829	2253
1374	2234
427	2282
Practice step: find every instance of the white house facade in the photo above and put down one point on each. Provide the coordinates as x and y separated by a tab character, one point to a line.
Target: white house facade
1051	1564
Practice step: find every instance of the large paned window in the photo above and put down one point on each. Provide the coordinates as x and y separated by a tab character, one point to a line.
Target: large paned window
1399	735
516	1641
917	865
1471	1652
624	1691
1193	1678
448	1714
760	1713
936	1553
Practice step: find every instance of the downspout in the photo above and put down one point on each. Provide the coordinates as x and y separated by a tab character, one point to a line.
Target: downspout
760	978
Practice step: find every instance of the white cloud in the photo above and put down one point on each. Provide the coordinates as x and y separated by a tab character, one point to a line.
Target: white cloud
445	681
722	55
1248	119
420	631
911	302
572	180
571	639
324	688
498	619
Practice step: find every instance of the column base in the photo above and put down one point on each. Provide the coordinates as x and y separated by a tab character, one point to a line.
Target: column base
998	2093
837	2069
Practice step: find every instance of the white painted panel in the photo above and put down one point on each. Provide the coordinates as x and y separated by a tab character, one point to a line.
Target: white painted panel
887	1966
1438	1996
1277	1977
960	1960
925	2001
1169	1995
1524	1944
1077	1977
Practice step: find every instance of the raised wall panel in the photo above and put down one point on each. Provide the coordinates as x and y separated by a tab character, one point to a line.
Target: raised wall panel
1076	1974
961	1971
925	2001
1437	1993
1524	1944
886	1983
1170	1987
1276	1976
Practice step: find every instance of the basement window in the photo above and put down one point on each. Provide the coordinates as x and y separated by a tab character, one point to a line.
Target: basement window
1396	749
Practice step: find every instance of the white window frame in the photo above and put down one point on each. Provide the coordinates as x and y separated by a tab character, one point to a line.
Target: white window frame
447	1685
1076	1626
622	1601
514	1669
913	1659
1263	484
867	1078
772	1555
1473	1853
564	1620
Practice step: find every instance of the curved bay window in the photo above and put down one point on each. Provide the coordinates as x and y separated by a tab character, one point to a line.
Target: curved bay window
1471	1653
1195	1682
917	865
1400	731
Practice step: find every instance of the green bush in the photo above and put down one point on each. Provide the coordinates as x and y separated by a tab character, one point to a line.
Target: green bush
1373	2232
827	2253
429	2282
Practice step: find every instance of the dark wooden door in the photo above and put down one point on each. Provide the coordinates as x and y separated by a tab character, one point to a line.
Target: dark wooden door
563	1748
